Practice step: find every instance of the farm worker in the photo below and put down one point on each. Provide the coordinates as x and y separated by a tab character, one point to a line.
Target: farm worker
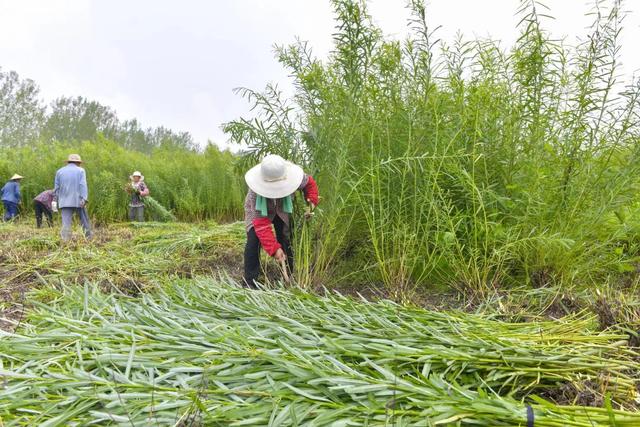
42	204
138	190
11	197
71	196
268	206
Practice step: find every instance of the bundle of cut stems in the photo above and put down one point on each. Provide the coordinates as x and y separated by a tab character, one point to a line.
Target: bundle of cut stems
206	352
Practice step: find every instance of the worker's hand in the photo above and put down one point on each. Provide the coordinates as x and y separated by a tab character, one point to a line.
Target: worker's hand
83	203
308	212
280	256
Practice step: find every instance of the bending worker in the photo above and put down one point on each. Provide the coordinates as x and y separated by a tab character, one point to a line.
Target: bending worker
42	204
268	206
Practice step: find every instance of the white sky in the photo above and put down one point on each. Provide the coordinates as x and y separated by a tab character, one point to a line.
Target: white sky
175	63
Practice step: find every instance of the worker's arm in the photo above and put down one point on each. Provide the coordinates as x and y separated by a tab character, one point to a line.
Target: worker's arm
56	187
84	190
145	190
311	191
264	231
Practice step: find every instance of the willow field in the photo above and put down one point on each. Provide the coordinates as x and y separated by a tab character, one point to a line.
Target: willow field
473	261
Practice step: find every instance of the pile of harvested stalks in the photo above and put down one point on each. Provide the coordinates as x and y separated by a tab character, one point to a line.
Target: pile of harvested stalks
203	352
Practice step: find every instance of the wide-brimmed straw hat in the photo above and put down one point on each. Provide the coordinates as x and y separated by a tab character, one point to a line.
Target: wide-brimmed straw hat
16	176
74	158
274	177
137	173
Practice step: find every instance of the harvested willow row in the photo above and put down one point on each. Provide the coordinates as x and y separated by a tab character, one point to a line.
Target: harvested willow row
156	250
159	212
209	353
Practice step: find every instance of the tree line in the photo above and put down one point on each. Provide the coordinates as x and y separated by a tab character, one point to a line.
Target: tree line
25	118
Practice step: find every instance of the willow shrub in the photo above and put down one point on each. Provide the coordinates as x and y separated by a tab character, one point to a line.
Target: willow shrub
463	164
193	185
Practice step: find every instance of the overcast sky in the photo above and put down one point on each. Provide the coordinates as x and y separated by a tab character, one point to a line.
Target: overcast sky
175	63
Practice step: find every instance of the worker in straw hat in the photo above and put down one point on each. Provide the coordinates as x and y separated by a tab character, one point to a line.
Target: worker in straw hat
11	197
138	190
71	196
268	206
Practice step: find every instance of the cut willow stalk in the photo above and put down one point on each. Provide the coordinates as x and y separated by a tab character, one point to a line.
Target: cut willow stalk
159	212
216	354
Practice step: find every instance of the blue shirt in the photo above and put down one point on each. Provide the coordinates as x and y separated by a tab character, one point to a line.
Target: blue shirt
11	192
71	186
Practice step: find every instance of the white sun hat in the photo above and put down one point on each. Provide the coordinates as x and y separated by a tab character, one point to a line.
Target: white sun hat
74	158
137	173
16	176
274	177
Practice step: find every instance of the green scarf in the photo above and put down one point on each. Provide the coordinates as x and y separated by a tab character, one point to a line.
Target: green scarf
261	205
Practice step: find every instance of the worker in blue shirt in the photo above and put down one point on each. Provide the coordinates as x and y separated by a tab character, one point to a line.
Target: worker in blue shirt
11	197
71	196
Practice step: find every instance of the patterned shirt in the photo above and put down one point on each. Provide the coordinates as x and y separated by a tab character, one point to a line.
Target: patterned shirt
274	207
46	197
136	198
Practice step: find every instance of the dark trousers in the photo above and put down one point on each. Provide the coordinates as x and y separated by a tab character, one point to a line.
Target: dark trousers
42	209
252	251
10	210
136	213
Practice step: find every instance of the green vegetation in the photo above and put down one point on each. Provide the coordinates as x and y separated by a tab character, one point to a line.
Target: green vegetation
208	353
130	328
498	187
126	256
461	165
193	185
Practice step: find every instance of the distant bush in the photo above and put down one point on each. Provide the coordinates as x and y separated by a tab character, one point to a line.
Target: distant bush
193	185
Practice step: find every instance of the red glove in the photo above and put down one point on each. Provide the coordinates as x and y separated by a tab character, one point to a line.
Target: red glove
311	191
265	234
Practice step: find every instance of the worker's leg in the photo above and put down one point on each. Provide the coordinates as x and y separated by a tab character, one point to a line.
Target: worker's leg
38	207
132	213
251	259
283	235
140	214
66	215
6	210
84	221
13	210
49	216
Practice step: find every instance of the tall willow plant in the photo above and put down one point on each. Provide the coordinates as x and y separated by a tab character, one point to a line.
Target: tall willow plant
193	185
463	165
